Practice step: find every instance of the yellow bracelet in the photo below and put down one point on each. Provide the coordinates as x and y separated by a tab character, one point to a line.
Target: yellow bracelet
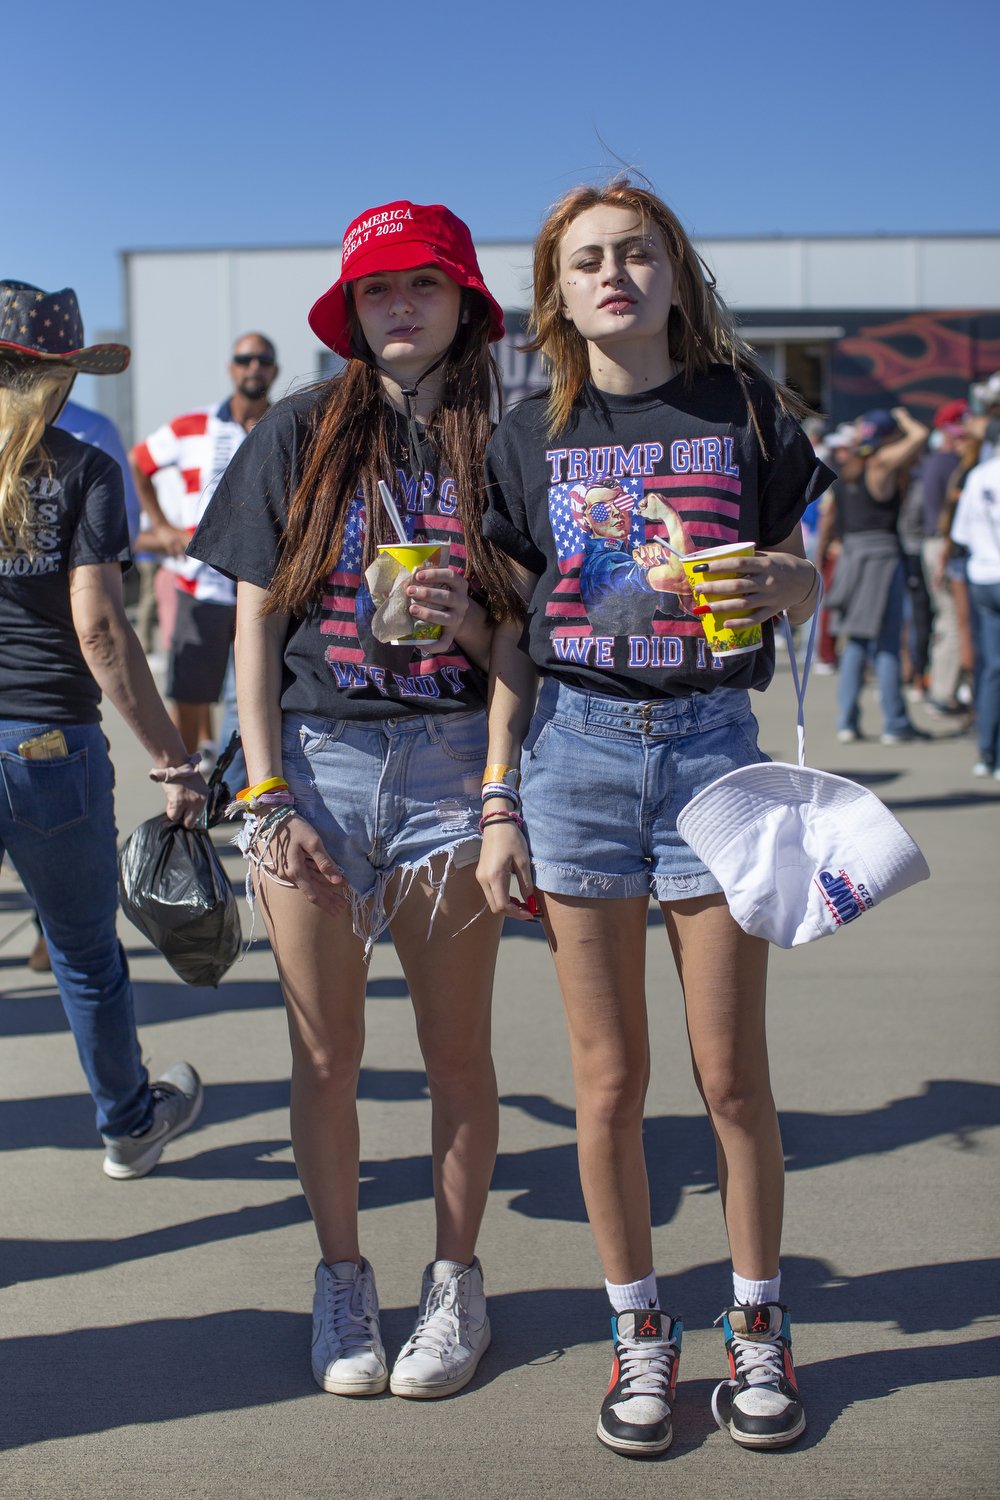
508	775
272	784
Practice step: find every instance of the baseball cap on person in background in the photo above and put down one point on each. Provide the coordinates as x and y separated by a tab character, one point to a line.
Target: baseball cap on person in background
400	236
987	394
873	430
843	436
950	417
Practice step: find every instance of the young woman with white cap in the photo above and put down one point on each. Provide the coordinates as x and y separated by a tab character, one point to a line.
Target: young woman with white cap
365	753
660	435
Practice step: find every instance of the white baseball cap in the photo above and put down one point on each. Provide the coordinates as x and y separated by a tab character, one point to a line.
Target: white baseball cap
799	853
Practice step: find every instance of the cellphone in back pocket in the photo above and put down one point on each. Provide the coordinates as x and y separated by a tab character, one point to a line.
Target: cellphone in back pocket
48	746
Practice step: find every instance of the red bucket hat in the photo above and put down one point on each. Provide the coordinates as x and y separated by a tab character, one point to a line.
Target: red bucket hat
399	237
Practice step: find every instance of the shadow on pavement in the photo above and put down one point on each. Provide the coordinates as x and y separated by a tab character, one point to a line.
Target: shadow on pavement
66	1121
41	1260
681	1151
247	1358
37	1011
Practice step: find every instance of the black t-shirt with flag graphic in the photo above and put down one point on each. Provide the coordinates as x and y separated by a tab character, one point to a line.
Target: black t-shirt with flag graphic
334	668
588	510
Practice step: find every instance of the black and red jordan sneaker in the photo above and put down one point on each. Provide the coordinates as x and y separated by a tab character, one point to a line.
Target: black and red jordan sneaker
759	1404
635	1414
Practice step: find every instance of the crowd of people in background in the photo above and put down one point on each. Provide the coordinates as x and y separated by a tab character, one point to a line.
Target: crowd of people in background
908	541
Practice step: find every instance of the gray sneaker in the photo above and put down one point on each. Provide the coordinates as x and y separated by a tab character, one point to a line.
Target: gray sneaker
177	1100
451	1335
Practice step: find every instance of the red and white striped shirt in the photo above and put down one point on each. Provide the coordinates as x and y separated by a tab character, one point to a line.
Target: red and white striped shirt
199	445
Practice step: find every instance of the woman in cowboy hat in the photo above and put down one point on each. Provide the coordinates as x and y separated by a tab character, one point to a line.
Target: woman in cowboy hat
63	544
365	752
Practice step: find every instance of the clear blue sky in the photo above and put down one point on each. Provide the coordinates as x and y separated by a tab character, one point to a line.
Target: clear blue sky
275	123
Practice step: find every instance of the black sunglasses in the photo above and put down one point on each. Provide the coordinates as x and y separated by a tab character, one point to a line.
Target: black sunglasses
248	359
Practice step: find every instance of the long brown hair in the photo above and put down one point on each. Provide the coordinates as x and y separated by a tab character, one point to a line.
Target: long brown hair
701	331
354	443
26	387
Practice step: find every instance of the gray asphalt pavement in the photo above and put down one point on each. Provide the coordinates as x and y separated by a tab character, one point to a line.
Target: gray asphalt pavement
154	1336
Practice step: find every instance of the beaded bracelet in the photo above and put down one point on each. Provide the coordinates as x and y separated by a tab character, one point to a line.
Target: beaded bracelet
501	817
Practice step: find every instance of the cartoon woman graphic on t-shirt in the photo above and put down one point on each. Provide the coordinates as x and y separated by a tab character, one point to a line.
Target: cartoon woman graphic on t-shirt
624	580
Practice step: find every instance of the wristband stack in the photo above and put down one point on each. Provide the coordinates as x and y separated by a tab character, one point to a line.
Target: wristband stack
264	807
501	784
266	794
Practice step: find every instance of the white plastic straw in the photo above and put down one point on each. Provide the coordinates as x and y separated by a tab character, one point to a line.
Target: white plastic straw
392	512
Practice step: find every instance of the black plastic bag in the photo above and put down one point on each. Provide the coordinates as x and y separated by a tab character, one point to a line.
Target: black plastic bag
174	889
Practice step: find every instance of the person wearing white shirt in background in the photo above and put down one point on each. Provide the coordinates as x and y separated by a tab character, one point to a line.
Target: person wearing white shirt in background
976	525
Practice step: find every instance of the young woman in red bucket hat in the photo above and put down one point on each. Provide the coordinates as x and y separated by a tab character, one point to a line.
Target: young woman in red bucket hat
365	750
661	435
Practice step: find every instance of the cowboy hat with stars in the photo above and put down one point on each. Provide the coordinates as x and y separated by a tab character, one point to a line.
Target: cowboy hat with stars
48	326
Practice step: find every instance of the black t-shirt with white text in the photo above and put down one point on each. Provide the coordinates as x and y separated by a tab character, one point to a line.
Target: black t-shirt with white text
611	612
77	518
334	668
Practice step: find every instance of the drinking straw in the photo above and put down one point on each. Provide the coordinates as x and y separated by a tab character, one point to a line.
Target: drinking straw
392	512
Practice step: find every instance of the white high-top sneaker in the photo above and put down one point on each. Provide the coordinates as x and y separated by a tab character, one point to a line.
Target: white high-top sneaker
347	1354
451	1335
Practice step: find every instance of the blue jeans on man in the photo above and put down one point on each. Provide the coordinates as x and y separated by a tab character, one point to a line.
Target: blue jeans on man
985	601
886	647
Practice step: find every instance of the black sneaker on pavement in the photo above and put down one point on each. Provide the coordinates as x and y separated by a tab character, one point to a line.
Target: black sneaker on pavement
636	1412
760	1404
177	1100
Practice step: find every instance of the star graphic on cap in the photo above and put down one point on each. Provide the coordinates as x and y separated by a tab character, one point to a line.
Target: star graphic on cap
48	322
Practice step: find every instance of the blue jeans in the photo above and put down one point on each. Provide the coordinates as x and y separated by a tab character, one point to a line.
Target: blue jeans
605	779
985	600
886	645
387	795
57	822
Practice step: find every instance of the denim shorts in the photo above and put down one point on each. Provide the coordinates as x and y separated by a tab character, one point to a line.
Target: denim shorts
386	795
604	780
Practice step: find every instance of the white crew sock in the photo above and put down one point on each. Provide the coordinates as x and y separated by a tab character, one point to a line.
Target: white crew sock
639	1295
754	1293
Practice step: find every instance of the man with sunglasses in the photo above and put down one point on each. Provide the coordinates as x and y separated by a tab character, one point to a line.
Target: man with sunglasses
190	454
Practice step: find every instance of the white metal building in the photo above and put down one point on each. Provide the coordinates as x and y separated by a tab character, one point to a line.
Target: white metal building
805	303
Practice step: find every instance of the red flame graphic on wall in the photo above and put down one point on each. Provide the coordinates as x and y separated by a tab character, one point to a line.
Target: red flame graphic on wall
945	361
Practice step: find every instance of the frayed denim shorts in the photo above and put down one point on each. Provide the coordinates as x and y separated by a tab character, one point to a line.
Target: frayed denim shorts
387	795
604	780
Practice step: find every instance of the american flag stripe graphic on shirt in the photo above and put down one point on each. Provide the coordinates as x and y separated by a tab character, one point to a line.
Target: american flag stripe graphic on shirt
340	625
707	505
